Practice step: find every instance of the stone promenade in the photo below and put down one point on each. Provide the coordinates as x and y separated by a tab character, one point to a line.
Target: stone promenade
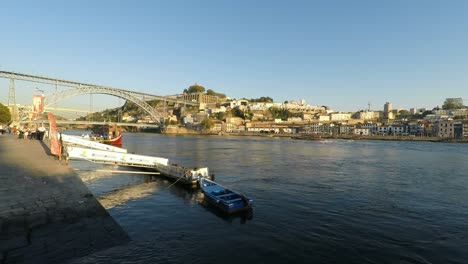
47	215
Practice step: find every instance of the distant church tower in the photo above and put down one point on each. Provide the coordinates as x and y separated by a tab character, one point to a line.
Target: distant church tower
388	110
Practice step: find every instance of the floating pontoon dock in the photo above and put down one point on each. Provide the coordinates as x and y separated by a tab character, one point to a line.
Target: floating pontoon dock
102	153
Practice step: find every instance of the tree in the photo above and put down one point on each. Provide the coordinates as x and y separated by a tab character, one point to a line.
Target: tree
278	113
427	112
5	115
220	116
196	89
210	92
423	114
207	123
250	115
404	114
453	103
213	93
262	100
237	112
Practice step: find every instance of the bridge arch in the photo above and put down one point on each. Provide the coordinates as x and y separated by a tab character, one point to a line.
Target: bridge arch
53	98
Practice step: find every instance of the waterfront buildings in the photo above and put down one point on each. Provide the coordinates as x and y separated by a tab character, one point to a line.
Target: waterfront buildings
257	117
200	98
340	117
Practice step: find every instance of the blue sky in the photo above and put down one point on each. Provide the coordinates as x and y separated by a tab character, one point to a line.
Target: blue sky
342	54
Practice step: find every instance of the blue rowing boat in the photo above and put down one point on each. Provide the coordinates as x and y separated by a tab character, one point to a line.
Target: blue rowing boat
223	198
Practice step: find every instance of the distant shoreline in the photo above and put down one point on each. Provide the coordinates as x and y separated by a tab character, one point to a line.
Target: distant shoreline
388	138
316	137
344	137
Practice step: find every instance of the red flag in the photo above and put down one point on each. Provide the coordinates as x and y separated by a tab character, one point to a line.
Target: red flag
55	147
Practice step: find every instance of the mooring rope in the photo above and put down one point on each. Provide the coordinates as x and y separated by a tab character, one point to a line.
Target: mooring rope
175	181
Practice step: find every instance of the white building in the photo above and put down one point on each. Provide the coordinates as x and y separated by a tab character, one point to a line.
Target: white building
294	119
382	130
398	130
346	130
128	118
361	131
236	103
188	120
324	118
260	106
366	115
221	109
340	116
371	126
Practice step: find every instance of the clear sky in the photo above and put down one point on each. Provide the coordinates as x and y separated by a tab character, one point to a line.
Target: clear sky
342	54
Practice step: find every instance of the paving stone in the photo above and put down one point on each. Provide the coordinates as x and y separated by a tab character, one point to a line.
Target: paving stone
47	215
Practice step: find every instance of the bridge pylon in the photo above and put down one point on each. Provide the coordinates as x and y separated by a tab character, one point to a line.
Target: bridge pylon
12	101
12	93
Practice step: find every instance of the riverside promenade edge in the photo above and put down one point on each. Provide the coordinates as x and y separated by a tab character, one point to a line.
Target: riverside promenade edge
47	214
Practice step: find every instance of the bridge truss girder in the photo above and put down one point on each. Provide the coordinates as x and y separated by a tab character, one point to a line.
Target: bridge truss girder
136	97
86	88
72	84
53	98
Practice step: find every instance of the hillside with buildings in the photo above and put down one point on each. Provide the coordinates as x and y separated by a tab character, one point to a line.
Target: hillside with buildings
218	114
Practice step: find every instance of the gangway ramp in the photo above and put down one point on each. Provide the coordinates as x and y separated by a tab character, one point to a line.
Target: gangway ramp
75	140
116	158
172	171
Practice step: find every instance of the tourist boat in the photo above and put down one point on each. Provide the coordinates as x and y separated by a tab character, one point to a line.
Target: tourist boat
108	134
316	138
113	141
223	198
101	139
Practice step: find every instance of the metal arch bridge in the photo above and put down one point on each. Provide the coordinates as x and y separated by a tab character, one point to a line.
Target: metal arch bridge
87	123
79	88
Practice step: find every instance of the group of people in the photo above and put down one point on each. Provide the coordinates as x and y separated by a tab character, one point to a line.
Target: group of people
6	129
38	133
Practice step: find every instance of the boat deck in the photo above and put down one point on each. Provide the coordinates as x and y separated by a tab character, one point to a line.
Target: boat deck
223	194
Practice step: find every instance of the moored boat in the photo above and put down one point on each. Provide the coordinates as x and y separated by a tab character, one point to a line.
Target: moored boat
108	134
223	198
113	141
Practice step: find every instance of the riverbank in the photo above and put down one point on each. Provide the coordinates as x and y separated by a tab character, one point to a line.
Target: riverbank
344	137
184	131
47	214
386	138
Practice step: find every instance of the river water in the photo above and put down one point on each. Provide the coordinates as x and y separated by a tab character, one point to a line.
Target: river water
331	201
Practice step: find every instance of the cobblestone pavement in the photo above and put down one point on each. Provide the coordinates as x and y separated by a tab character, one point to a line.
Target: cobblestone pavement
47	215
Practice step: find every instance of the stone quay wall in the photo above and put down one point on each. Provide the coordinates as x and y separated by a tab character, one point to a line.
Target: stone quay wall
47	214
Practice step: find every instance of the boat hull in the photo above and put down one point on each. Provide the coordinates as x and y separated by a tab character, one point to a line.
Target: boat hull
114	141
226	200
